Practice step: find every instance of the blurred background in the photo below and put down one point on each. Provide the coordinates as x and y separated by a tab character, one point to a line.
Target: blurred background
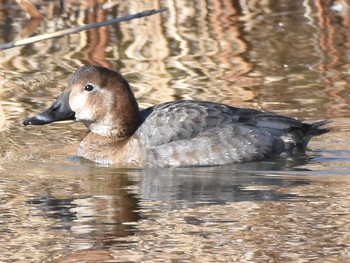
289	53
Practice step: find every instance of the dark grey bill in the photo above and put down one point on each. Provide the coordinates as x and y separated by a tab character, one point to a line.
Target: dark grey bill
59	111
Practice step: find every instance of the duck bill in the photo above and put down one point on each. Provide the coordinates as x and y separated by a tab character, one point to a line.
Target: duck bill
59	111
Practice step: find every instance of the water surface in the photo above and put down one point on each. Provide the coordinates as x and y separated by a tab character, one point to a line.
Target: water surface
291	57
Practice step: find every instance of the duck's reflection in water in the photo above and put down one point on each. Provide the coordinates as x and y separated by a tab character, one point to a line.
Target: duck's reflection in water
107	202
213	185
96	214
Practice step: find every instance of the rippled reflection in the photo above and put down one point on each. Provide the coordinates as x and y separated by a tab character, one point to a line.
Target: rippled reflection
287	56
213	185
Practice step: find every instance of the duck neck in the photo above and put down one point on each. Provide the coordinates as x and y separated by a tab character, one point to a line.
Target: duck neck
120	122
103	149
115	129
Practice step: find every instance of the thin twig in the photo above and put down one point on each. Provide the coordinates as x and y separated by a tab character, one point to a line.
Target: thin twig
77	29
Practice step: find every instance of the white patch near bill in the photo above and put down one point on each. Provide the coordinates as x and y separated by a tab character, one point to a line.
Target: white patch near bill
81	108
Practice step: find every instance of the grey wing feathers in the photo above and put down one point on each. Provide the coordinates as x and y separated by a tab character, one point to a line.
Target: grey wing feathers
181	120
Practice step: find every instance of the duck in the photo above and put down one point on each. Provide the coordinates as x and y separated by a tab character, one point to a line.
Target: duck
171	134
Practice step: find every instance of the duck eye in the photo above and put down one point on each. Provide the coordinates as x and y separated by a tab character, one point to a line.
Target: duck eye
89	87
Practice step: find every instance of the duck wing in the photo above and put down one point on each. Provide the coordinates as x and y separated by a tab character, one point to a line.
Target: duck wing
181	120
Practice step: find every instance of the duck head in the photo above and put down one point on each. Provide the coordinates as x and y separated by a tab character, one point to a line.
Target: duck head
98	97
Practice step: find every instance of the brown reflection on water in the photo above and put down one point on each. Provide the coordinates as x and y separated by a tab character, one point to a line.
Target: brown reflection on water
332	36
226	27
99	38
63	206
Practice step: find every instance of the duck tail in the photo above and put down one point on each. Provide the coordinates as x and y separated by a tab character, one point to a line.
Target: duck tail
315	130
311	130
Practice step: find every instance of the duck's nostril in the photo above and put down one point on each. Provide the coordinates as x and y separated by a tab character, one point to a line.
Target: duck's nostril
55	107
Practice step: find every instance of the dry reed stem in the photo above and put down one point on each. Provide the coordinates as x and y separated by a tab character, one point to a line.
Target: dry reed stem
60	33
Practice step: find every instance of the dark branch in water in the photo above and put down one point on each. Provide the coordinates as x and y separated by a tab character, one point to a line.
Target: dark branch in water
77	29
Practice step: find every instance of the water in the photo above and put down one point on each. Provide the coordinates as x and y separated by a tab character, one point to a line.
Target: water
291	57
